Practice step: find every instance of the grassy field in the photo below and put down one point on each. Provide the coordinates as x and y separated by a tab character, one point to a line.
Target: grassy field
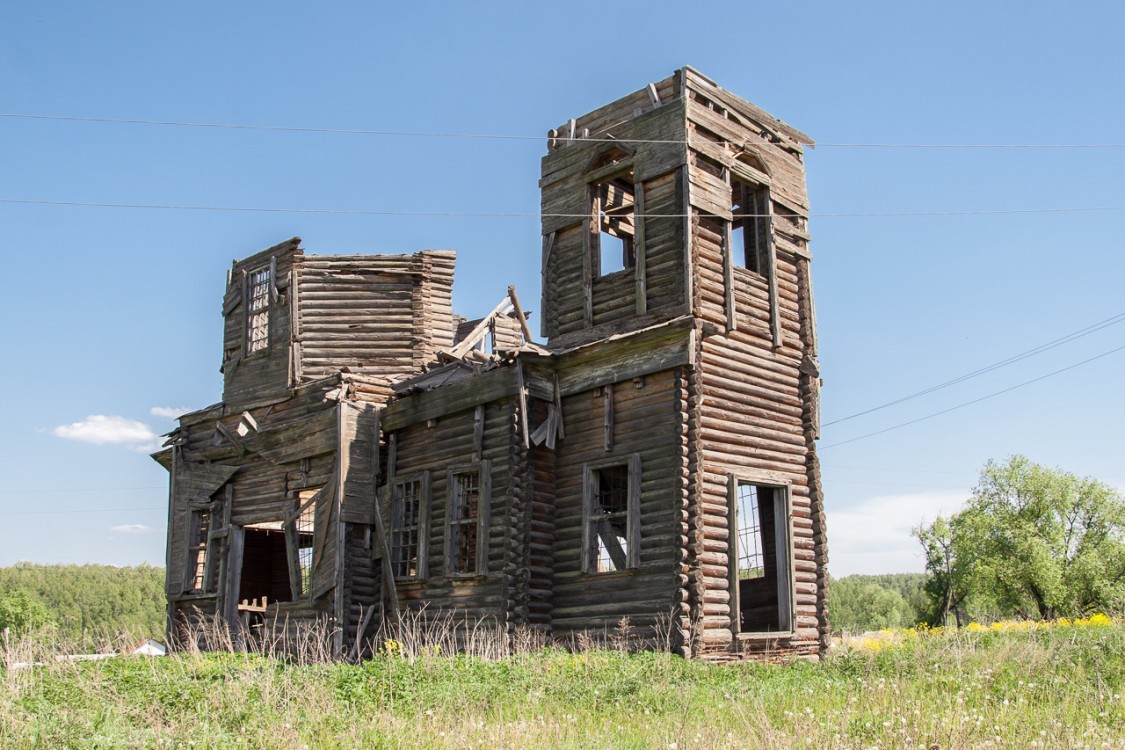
1012	687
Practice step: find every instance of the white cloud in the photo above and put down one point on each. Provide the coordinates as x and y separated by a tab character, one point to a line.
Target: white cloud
132	528
101	429
874	536
169	412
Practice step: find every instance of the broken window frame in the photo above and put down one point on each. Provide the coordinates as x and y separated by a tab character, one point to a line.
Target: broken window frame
259	284
303	526
199	565
477	526
593	515
612	168
782	563
414	566
751	226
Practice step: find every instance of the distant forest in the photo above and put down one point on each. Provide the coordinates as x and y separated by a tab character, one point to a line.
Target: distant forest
858	603
91	602
84	602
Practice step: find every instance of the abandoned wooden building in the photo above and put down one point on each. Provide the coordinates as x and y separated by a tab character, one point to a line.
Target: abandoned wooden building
654	459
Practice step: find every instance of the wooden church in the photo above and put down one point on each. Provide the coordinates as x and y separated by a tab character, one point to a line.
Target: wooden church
654	458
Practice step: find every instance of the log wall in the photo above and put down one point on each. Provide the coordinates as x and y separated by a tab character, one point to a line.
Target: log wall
378	315
645	422
434	446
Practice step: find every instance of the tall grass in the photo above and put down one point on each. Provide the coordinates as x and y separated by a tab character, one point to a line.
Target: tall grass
1049	687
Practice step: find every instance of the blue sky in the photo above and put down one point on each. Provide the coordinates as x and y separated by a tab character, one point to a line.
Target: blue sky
112	314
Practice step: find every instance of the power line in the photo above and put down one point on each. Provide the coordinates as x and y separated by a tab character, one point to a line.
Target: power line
79	489
974	401
514	137
1002	363
536	214
79	510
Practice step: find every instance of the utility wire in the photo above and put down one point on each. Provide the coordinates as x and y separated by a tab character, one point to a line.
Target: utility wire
995	366
79	489
512	137
974	401
535	214
79	510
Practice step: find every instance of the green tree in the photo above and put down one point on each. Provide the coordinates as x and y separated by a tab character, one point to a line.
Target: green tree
23	612
945	586
857	604
1032	542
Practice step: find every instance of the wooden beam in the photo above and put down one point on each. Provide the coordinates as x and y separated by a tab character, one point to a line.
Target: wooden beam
548	246
522	393
640	282
478	432
480	329
771	271
519	313
607	415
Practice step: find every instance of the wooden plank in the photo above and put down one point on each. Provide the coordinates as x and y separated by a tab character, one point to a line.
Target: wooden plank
478	432
641	289
480	389
607	416
588	272
480	330
522	394
771	276
545	287
519	313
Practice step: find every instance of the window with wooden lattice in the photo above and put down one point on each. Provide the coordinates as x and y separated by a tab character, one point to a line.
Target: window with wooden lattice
409	525
258	310
469	490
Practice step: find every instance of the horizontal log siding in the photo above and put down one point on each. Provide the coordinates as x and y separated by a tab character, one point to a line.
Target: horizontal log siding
362	584
449	443
646	422
664	247
541	527
641	127
752	398
377	315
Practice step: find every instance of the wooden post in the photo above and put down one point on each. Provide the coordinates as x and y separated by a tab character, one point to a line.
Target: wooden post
640	282
519	314
607	415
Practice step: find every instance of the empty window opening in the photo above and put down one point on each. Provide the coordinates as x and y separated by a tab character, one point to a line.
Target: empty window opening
265	565
760	558
464	518
197	552
614	209
304	527
258	311
609	519
406	527
750	226
751	544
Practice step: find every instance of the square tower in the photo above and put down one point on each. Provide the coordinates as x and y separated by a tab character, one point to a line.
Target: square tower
683	201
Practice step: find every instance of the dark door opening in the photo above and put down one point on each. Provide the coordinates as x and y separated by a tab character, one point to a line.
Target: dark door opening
760	558
265	566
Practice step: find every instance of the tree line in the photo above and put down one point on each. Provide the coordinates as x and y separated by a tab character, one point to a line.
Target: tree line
1031	543
83	602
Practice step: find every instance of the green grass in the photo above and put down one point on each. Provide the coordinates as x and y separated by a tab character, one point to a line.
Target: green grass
1051	688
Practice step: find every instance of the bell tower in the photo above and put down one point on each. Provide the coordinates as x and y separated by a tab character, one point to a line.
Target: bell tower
683	202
